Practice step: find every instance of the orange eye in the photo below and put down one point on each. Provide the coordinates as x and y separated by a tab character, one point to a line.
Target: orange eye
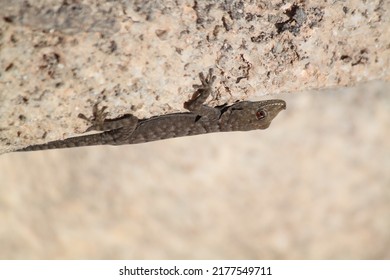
261	114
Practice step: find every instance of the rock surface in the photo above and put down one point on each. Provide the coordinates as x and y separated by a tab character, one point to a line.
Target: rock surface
57	59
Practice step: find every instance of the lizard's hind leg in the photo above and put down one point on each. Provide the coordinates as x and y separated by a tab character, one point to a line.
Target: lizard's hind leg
100	123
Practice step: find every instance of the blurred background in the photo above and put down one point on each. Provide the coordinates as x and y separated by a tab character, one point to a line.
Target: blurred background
315	185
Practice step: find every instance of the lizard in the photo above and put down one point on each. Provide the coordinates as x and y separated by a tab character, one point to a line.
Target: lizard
200	119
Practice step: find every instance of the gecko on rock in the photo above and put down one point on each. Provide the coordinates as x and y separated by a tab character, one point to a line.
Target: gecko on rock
128	129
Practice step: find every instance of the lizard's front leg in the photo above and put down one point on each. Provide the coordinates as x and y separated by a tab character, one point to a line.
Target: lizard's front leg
203	91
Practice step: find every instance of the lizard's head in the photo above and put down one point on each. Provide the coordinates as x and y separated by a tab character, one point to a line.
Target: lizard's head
247	115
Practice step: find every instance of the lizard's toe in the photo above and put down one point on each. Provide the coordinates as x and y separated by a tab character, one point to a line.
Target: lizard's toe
97	119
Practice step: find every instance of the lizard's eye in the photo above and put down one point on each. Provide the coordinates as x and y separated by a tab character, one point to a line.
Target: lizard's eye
261	114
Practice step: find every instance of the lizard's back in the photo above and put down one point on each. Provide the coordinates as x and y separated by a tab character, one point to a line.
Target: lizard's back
171	126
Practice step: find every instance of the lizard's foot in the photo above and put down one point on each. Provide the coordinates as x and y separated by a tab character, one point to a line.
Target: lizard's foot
207	81
101	123
203	91
98	118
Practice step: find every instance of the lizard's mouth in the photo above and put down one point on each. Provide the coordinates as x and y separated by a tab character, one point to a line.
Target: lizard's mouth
278	103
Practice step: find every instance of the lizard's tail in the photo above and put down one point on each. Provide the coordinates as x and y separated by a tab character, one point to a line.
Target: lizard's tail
79	141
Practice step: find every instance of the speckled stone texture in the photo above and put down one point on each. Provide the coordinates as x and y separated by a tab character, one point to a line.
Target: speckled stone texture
58	58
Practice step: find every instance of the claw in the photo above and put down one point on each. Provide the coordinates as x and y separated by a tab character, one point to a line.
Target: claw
206	81
210	75
82	116
97	119
202	78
